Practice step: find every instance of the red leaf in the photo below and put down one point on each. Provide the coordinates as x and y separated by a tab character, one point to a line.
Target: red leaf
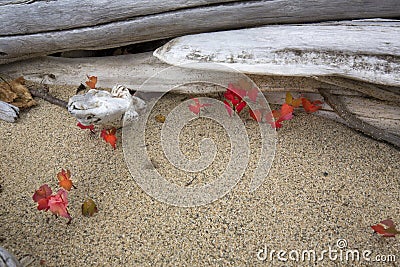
194	109
285	110
386	228
197	107
308	106
256	115
58	204
237	91
41	196
109	136
252	94
64	178
240	106
83	127
228	108
92	81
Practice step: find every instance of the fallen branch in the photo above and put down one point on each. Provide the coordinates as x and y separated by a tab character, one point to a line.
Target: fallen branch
355	123
44	94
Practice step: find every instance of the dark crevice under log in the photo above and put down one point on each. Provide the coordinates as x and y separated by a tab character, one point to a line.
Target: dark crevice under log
353	122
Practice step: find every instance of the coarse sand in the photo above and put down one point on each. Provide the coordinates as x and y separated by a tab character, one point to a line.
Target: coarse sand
327	183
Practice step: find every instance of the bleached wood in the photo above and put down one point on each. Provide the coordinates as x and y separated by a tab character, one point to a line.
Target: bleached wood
8	112
133	70
33	27
363	50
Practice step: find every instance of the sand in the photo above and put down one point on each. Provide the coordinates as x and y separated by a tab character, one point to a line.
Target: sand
327	182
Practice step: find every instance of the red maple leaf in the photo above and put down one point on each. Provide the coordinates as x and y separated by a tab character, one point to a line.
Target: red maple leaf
252	94
197	106
41	196
109	136
234	99
276	117
58	204
386	228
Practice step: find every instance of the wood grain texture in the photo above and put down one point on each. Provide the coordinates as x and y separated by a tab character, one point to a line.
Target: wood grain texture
364	50
133	70
34	28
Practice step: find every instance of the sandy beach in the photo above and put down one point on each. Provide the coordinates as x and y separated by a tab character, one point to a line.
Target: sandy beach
327	183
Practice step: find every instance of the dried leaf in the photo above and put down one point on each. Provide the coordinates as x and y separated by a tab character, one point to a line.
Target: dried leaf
160	118
386	228
64	178
291	101
92	81
58	204
310	107
89	208
16	93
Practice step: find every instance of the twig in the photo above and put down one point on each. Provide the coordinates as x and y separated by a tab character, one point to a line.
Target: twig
353	122
44	94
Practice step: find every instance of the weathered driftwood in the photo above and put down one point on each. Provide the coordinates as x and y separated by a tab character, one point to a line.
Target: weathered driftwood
33	28
134	70
363	50
8	112
357	124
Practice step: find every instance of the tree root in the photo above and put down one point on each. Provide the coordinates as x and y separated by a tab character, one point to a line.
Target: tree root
353	122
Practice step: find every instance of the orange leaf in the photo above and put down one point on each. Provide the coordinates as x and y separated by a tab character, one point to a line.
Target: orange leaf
92	81
286	109
308	106
64	179
109	136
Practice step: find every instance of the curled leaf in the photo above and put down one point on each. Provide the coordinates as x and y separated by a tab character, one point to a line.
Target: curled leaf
310	107
89	208
83	127
58	204
91	82
41	197
291	101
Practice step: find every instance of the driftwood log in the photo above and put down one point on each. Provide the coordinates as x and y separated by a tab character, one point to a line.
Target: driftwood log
354	65
134	70
32	28
364	50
